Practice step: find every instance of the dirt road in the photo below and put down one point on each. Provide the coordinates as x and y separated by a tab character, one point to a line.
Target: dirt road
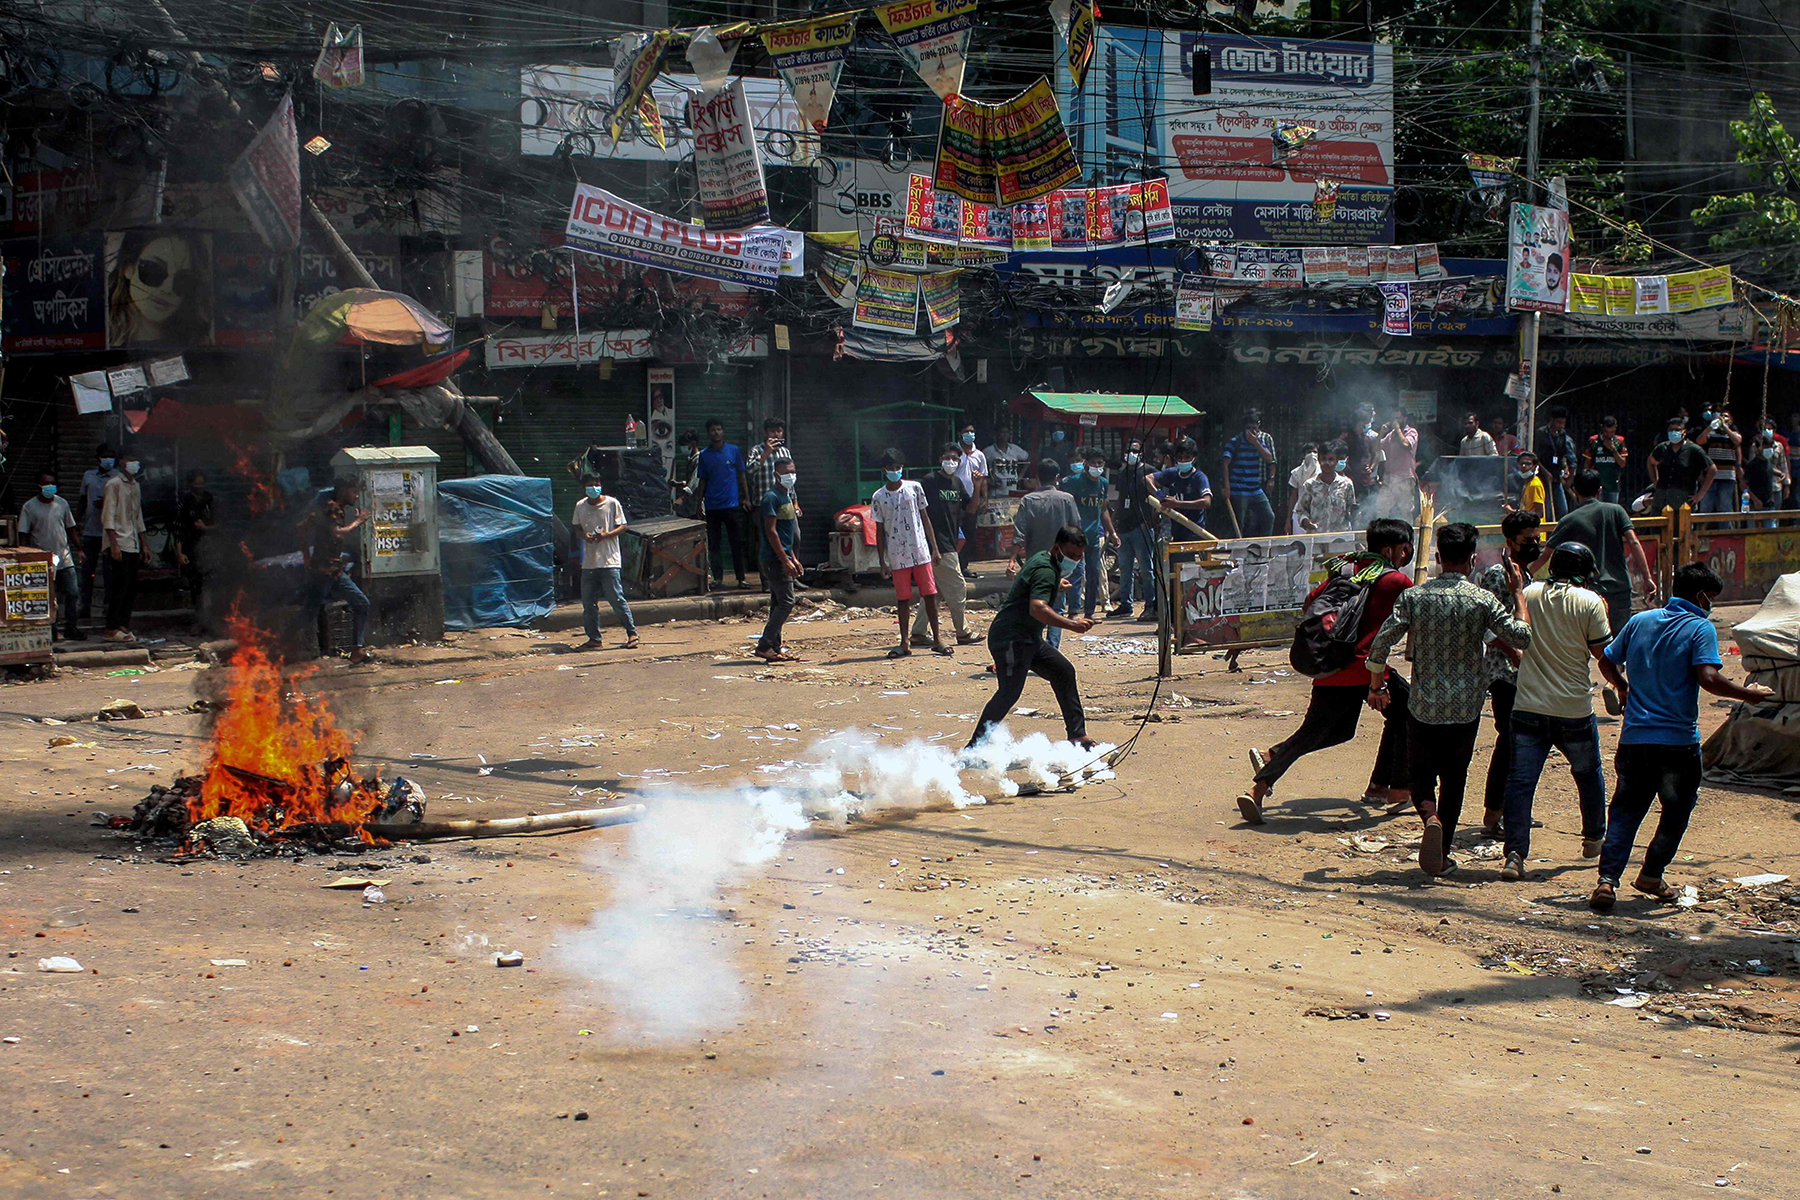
1116	991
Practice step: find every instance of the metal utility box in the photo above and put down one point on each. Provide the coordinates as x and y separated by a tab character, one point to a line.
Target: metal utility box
26	580
397	485
665	556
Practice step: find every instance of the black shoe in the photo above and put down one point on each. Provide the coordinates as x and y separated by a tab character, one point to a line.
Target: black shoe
74	635
1123	610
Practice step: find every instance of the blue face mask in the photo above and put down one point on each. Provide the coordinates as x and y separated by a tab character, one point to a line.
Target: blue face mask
1096	472
893	476
106	464
1056	435
1066	566
1186	468
1342	466
1131	458
968	439
1676	435
48	490
595	491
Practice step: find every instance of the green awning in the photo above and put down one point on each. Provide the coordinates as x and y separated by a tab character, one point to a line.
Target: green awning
1114	404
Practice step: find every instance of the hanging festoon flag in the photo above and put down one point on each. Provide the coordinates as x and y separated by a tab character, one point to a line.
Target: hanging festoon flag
1028	145
601	223
1031	226
941	294
965	162
809	55
727	162
1325	198
1537	254
1587	294
1713	286
1289	136
1077	24
1683	290
637	59
932	37
1396	309
1621	296
1650	295
1194	302
888	301
340	61
266	179
1492	176
711	56
838	274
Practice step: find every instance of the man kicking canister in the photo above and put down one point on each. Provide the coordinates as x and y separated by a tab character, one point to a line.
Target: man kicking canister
1336	703
1016	637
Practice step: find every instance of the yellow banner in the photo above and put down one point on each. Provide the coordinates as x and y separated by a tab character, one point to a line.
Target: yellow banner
1587	294
1714	286
1621	295
1684	291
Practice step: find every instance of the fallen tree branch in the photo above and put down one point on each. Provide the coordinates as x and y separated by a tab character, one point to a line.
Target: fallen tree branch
587	818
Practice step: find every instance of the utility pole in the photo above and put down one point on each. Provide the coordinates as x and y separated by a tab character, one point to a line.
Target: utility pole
1528	331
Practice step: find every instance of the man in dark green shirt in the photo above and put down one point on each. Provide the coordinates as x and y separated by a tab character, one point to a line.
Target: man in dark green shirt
1606	530
1016	637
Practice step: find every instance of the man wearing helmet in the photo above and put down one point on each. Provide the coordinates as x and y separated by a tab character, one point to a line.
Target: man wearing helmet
1553	707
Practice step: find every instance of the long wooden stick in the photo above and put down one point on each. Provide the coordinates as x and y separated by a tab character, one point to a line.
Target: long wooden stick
587	818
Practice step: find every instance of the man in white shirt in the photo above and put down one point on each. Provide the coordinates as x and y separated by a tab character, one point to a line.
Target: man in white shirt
972	473
599	520
46	522
1006	464
1299	477
907	548
1475	439
122	520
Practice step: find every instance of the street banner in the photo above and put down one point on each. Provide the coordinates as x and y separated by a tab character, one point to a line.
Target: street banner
711	54
1031	226
1396	309
1030	149
1078	25
965	161
887	301
1587	294
809	55
601	223
340	61
659	382
1491	176
1069	218
726	160
266	179
838	275
1537	259
1714	286
637	58
932	37
941	294
1650	294
1683	290
1194	300
1402	263
932	215
55	293
987	226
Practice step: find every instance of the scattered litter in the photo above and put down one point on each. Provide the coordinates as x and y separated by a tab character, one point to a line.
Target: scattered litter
893	693
58	965
1368	845
121	710
509	958
1759	880
348	882
1690	896
229	962
374	895
1633	1000
1025	712
125	671
1338	1014
11	1041
64	739
420	754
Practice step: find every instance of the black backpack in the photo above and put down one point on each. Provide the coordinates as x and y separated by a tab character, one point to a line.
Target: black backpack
1325	640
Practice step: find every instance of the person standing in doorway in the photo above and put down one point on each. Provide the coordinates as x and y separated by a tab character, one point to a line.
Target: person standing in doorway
1016	638
1133	522
599	520
1447	616
972	473
1089	487
1328	503
1006	464
719	479
1723	444
945	509
1501	661
1476	441
122	518
193	519
907	546
1606	454
779	526
46	523
1400	467
760	467
1668	655
1556	455
1680	471
1249	459
93	534
1041	514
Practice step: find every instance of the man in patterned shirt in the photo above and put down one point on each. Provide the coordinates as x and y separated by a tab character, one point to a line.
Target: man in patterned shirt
1327	503
1447	616
1523	545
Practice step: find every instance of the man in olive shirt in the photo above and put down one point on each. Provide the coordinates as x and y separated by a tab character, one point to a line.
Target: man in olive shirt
1606	530
1016	638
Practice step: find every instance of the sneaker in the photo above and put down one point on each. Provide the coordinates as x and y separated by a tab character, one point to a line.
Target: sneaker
1590	847
1610	697
1148	615
120	635
1251	808
590	644
1431	848
1122	611
1514	870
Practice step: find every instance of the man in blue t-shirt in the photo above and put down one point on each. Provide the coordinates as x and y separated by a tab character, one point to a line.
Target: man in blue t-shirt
1248	459
1669	654
1182	488
719	478
1089	487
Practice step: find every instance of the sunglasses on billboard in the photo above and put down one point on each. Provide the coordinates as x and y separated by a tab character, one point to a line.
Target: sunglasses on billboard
152	273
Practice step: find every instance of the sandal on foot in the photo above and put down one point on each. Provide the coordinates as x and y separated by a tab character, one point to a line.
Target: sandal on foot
968	639
940	648
1603	898
1656	889
631	643
900	652
1251	808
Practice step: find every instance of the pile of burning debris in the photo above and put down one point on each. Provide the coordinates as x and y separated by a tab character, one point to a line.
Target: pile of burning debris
348	826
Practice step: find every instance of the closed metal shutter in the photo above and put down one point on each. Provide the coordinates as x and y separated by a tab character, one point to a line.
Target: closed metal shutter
558	419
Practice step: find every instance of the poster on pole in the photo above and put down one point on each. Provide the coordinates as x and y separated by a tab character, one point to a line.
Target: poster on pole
1195	300
659	382
1537	259
887	301
932	37
808	55
941	294
1396	309
726	160
637	58
603	224
266	179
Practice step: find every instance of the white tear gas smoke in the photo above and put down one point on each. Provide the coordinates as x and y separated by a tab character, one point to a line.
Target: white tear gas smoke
656	948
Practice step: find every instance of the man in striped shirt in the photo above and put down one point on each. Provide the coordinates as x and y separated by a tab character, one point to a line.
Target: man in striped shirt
1248	459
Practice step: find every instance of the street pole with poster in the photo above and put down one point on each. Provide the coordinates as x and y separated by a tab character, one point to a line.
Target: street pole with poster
660	382
1528	329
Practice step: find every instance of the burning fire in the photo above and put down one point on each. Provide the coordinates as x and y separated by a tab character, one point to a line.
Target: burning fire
261	494
278	759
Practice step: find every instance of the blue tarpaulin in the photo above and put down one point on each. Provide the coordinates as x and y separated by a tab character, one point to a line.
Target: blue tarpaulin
496	540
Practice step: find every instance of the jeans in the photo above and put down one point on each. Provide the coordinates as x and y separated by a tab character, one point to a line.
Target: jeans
68	597
1254	516
952	591
1084	584
1437	758
781	603
1533	734
1137	553
93	549
604	583
1721	497
1502	693
1647	772
724	524
1331	718
1013	661
121	580
340	586
1611	497
1066	598
1618	610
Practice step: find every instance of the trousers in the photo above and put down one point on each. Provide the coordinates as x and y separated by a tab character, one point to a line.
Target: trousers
722	525
1331	717
781	602
1137	556
1533	735
68	597
1502	693
953	590
1646	773
1437	759
93	549
1254	515
340	586
1013	661
121	587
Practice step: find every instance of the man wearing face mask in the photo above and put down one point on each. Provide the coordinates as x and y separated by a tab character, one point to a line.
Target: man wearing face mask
1006	463
122	518
1500	661
1137	546
1667	654
945	503
780	565
1723	444
1089	487
972	473
1326	503
46	523
1059	447
1016	638
907	546
93	536
1680	472
599	520
1183	488
1041	514
1605	529
1299	477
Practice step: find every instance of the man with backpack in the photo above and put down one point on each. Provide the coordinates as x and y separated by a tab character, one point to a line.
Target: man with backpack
1358	594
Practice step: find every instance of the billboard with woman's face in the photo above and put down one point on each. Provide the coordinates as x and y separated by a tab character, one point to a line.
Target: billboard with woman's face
159	287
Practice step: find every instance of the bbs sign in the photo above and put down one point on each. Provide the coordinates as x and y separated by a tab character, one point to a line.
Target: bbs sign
860	193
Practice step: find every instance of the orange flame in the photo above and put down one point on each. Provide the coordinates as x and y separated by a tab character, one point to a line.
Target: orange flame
261	494
278	758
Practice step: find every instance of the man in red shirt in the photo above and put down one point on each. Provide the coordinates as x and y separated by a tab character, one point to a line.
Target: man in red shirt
1337	700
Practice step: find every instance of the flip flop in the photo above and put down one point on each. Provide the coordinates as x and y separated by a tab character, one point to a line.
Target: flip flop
1656	889
900	652
940	648
1253	813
